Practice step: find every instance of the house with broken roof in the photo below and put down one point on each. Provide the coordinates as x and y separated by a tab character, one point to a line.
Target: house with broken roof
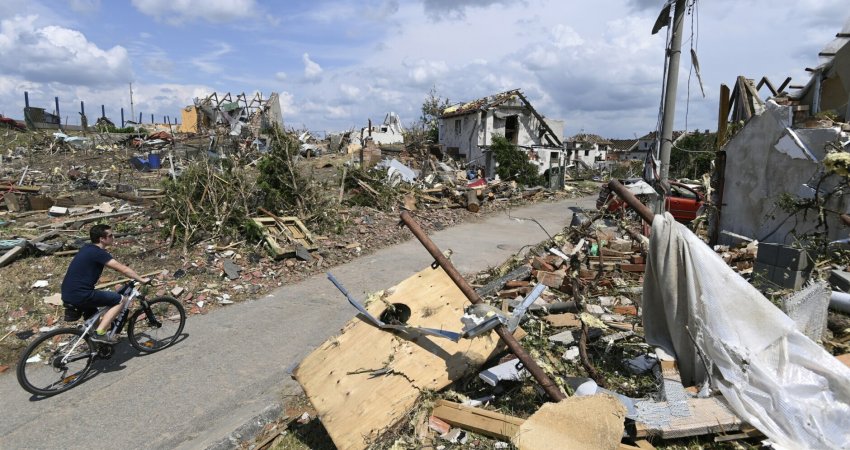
620	149
466	130
589	150
783	174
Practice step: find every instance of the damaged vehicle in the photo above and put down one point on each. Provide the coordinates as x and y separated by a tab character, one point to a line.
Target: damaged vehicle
683	202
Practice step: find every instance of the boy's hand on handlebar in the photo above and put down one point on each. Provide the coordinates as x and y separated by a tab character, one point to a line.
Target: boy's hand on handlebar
145	280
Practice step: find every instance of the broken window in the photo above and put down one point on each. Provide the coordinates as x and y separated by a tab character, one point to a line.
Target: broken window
512	129
457	127
587	152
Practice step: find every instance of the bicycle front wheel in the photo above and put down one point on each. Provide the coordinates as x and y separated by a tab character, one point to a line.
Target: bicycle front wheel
156	325
55	362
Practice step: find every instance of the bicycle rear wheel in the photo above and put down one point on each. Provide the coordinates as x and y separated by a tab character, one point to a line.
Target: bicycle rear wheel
55	362
157	325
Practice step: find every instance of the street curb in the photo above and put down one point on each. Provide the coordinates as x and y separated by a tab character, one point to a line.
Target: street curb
249	429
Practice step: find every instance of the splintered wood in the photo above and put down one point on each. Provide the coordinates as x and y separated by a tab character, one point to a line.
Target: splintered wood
365	380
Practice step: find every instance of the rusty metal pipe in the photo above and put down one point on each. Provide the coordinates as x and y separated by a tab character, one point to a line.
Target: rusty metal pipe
645	213
545	382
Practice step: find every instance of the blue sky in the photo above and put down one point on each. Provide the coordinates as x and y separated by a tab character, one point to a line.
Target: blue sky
337	64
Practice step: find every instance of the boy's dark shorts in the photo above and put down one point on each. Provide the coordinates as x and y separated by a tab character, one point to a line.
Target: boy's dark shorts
98	299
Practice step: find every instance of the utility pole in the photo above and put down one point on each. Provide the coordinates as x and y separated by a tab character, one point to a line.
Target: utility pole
132	109
670	91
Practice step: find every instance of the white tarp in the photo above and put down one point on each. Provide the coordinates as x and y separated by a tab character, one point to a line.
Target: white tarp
773	376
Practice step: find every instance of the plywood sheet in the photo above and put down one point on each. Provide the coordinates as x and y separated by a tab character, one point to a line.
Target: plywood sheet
354	405
577	422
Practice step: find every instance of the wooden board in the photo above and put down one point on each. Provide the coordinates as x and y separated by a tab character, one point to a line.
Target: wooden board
708	416
355	407
479	420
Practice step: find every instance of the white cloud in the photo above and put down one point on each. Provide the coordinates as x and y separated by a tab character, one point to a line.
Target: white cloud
287	104
424	72
312	70
58	54
564	36
280	76
350	92
178	11
208	62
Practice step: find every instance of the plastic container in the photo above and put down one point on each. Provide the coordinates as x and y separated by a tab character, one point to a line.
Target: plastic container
154	161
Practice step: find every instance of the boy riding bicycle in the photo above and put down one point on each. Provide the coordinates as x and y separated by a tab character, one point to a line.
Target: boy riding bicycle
82	275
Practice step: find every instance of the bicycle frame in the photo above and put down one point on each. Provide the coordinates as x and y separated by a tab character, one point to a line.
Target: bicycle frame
117	324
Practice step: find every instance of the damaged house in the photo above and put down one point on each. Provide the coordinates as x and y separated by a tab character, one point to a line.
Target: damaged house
466	130
784	174
588	150
257	114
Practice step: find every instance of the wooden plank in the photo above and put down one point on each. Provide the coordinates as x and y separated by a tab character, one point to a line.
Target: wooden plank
14	187
354	403
11	255
708	416
479	420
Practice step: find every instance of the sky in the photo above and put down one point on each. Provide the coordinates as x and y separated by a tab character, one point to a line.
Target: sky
593	64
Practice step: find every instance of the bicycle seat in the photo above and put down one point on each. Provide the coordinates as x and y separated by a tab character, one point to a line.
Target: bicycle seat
73	313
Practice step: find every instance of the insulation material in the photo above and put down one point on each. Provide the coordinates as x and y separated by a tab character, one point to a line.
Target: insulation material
807	308
772	375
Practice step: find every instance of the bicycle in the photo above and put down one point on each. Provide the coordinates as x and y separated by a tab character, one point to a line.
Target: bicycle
68	353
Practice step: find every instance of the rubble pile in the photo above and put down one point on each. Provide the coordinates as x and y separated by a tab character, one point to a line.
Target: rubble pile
585	329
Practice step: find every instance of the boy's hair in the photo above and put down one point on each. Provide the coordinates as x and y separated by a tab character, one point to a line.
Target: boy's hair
98	231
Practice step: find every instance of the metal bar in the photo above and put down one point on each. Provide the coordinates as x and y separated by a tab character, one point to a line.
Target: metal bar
545	382
630	199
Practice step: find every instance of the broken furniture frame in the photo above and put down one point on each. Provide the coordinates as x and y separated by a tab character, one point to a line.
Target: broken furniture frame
552	390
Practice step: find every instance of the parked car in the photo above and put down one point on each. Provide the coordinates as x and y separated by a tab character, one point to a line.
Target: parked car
682	203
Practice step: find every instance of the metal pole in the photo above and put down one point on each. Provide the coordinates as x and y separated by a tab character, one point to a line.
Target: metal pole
545	382
670	91
645	213
57	112
26	99
122	117
102	111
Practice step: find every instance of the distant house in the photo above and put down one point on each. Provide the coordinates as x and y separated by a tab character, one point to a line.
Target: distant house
466	130
620	149
647	143
589	150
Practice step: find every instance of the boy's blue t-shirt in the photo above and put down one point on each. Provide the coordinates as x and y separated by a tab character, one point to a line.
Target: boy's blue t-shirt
83	273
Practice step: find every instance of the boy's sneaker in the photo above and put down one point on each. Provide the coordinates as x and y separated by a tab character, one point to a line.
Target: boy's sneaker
103	338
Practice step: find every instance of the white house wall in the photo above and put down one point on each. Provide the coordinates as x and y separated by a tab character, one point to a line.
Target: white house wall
765	161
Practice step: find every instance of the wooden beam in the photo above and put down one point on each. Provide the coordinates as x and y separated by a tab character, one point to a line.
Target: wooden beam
723	116
764	81
481	421
784	84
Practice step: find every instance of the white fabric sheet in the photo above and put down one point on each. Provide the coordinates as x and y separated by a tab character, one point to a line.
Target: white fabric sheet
773	376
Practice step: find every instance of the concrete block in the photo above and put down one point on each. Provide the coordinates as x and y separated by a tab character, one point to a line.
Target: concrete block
767	253
840	280
762	269
789	279
792	259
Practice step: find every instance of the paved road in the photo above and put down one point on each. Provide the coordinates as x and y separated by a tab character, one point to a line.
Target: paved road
233	362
